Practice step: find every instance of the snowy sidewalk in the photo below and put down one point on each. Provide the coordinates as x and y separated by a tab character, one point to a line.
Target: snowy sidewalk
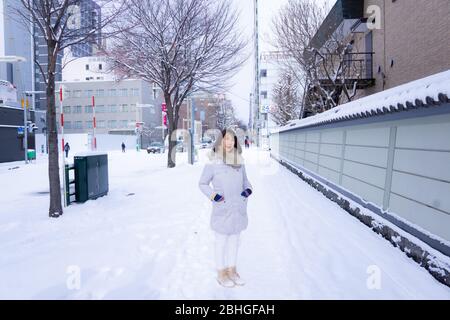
150	239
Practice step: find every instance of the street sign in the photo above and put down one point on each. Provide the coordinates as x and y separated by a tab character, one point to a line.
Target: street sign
264	109
164	113
21	131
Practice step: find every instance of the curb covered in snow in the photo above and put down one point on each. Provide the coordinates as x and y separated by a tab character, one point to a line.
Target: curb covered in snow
411	246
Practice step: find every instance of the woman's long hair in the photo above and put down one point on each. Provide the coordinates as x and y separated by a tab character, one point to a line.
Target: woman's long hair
234	159
218	144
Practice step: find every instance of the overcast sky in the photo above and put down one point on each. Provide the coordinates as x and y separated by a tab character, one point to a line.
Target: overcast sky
243	81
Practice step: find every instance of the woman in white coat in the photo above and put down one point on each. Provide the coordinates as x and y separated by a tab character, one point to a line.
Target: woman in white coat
224	181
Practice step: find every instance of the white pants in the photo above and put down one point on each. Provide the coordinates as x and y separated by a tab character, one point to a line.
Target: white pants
226	249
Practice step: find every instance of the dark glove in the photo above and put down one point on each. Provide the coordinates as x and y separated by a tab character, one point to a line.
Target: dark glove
246	193
218	198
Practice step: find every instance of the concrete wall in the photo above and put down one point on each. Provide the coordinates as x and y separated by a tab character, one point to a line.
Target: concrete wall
401	166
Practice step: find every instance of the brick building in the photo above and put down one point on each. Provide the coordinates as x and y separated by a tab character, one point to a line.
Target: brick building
407	39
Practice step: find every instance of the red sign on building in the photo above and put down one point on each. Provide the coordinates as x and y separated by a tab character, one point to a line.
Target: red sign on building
164	113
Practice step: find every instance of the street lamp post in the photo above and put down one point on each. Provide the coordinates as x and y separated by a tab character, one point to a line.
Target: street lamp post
32	95
257	79
25	131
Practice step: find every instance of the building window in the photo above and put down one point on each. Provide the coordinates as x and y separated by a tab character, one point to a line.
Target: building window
112	124
88	109
101	124
78	125
87	67
264	94
135	92
66	109
89	124
77	93
77	109
113	108
68	125
88	93
100	67
112	92
123	92
100	93
100	109
123	124
124	108
132	107
263	73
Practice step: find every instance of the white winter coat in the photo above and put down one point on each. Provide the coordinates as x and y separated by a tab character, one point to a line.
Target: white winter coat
229	216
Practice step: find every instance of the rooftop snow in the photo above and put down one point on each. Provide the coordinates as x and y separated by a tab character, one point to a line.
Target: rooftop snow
432	90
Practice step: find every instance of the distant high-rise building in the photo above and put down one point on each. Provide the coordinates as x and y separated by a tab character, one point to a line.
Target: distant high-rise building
15	40
90	17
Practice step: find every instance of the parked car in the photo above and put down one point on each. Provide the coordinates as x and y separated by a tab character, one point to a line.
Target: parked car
156	147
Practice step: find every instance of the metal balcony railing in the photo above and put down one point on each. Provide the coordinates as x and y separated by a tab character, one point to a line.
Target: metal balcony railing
355	67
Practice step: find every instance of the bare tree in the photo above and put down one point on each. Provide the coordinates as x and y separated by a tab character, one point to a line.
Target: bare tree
224	113
183	46
59	23
326	69
294	28
333	72
287	100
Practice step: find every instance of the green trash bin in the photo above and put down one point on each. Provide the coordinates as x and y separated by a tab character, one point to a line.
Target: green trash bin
31	154
91	177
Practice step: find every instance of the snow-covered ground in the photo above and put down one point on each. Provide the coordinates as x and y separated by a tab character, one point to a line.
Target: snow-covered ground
150	239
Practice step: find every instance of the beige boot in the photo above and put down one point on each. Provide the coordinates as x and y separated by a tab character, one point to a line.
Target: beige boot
223	279
234	276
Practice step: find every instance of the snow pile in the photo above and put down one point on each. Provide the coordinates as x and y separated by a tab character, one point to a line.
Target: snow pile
431	86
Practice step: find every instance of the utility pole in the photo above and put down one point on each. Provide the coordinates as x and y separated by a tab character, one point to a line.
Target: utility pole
33	72
94	126
250	117
192	131
64	182
257	80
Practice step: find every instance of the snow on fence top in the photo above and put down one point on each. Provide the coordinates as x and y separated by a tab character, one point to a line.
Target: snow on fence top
430	91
